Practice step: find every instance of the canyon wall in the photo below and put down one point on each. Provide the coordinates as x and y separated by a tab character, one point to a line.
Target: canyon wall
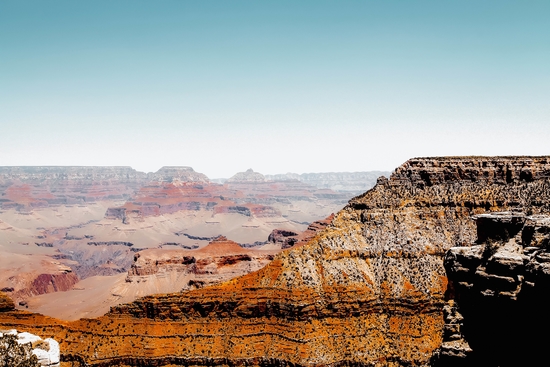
353	182
500	285
368	290
25	188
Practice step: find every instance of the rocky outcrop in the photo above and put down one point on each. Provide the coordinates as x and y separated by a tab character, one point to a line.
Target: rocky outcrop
220	260
46	351
177	173
248	176
62	280
6	303
368	290
500	285
287	239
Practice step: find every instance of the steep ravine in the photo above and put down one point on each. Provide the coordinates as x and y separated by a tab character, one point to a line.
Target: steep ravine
367	291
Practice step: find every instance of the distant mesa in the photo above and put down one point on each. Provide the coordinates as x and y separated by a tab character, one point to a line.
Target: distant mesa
248	176
175	174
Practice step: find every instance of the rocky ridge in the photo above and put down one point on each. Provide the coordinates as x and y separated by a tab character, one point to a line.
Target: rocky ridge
287	239
368	290
355	182
220	260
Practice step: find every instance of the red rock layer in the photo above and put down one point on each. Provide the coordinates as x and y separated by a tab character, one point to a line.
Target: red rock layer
368	290
25	188
47	283
220	260
243	195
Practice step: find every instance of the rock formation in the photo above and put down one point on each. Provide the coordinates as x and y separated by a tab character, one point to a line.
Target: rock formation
25	188
368	290
6	303
220	260
46	351
353	182
248	176
500	285
287	239
53	277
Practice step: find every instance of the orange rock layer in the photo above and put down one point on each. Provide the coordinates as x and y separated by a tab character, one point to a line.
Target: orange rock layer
366	291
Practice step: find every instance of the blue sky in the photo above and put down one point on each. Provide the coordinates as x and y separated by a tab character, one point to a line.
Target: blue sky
279	86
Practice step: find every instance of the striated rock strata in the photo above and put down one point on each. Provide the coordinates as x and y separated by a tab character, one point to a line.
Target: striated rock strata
369	290
500	285
220	260
287	239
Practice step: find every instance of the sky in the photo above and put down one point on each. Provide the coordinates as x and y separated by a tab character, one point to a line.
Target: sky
277	86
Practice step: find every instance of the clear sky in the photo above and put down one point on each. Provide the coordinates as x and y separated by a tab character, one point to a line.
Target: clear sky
278	86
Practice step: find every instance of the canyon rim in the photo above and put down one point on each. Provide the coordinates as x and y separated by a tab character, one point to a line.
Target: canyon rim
368	290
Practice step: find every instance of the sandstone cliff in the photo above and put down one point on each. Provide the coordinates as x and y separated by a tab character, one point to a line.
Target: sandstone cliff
368	290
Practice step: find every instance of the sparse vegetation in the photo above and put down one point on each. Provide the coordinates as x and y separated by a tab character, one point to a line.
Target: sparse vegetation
13	354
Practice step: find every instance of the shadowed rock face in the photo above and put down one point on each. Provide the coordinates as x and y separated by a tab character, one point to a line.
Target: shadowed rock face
6	304
368	290
500	286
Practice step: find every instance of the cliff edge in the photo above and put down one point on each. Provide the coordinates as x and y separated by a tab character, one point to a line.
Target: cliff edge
368	290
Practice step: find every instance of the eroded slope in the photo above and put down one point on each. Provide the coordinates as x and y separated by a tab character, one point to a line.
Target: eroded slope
369	290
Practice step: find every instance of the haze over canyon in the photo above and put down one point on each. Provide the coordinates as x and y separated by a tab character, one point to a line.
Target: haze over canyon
106	235
433	266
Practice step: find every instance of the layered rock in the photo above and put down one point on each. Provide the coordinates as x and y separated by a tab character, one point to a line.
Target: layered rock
53	277
500	285
220	260
368	290
25	188
287	239
248	176
177	173
248	193
353	182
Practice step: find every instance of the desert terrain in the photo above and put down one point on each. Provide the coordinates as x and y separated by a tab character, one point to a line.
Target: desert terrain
70	236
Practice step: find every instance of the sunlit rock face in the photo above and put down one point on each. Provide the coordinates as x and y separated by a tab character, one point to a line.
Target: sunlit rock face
369	290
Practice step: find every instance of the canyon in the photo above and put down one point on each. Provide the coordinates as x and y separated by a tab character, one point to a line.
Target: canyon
69	235
405	274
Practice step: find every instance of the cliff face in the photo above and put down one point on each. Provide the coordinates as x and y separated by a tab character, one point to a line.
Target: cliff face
500	286
25	188
368	290
354	182
220	260
287	239
53	277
